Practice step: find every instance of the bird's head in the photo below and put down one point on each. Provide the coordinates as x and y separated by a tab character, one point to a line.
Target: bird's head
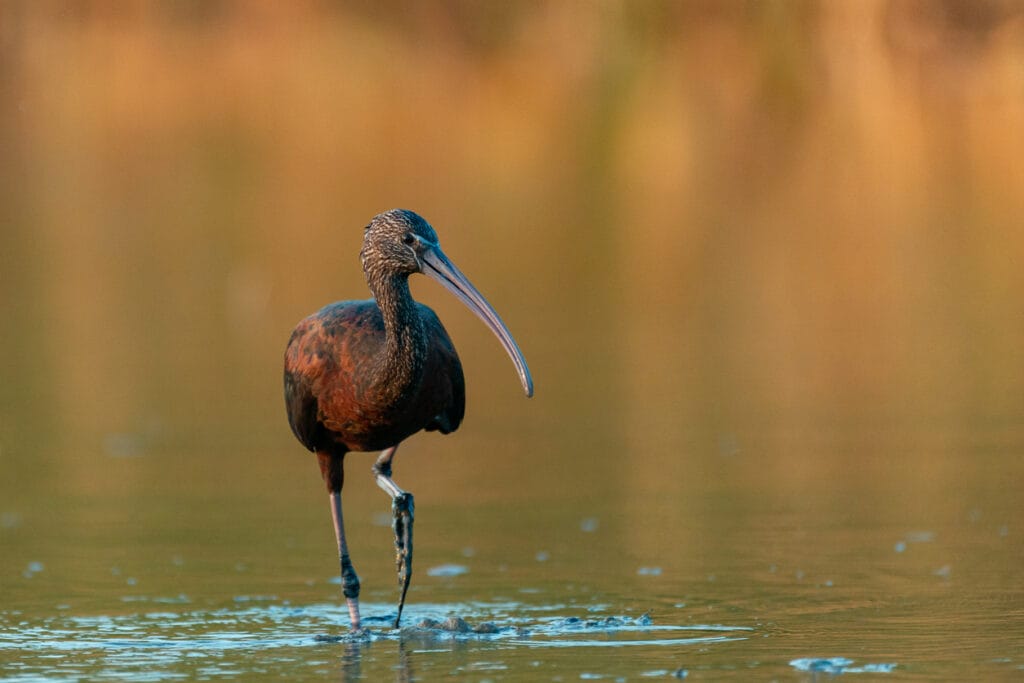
398	243
394	243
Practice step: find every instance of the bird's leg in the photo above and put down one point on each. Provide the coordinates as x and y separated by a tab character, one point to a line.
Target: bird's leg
331	468
402	511
349	579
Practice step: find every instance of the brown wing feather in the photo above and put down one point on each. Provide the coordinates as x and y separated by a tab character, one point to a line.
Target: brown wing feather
329	374
332	342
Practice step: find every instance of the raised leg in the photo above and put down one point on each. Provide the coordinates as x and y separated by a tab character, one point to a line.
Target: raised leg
331	468
402	509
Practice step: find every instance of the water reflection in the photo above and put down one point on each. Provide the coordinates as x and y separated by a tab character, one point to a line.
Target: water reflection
351	659
166	643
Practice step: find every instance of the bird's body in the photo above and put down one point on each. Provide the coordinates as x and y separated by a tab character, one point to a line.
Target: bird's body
342	393
365	375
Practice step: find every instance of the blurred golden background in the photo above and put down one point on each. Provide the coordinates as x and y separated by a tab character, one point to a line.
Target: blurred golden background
696	217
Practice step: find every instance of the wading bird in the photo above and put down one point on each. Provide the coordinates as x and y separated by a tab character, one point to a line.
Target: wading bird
365	375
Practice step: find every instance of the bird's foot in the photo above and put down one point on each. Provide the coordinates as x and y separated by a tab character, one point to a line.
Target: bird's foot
360	634
402	508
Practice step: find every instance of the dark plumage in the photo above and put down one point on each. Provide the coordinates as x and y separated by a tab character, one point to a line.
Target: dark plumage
365	375
342	394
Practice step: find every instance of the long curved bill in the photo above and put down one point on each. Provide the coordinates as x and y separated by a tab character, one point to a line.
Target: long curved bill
437	266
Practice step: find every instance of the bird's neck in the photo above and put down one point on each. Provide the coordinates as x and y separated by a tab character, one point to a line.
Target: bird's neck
401	364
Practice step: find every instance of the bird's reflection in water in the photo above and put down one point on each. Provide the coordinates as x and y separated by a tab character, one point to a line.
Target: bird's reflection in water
395	648
404	672
351	661
429	635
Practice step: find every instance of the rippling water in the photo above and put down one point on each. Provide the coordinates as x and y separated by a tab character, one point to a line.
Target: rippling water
773	584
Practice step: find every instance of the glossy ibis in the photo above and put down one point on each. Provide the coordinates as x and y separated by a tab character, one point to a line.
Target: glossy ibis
365	375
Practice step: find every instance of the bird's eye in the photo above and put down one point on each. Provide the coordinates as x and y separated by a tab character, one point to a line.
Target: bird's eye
408	239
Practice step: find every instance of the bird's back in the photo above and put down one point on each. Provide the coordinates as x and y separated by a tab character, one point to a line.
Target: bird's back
333	401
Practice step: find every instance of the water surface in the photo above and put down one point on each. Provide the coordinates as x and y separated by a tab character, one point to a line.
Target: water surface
836	575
